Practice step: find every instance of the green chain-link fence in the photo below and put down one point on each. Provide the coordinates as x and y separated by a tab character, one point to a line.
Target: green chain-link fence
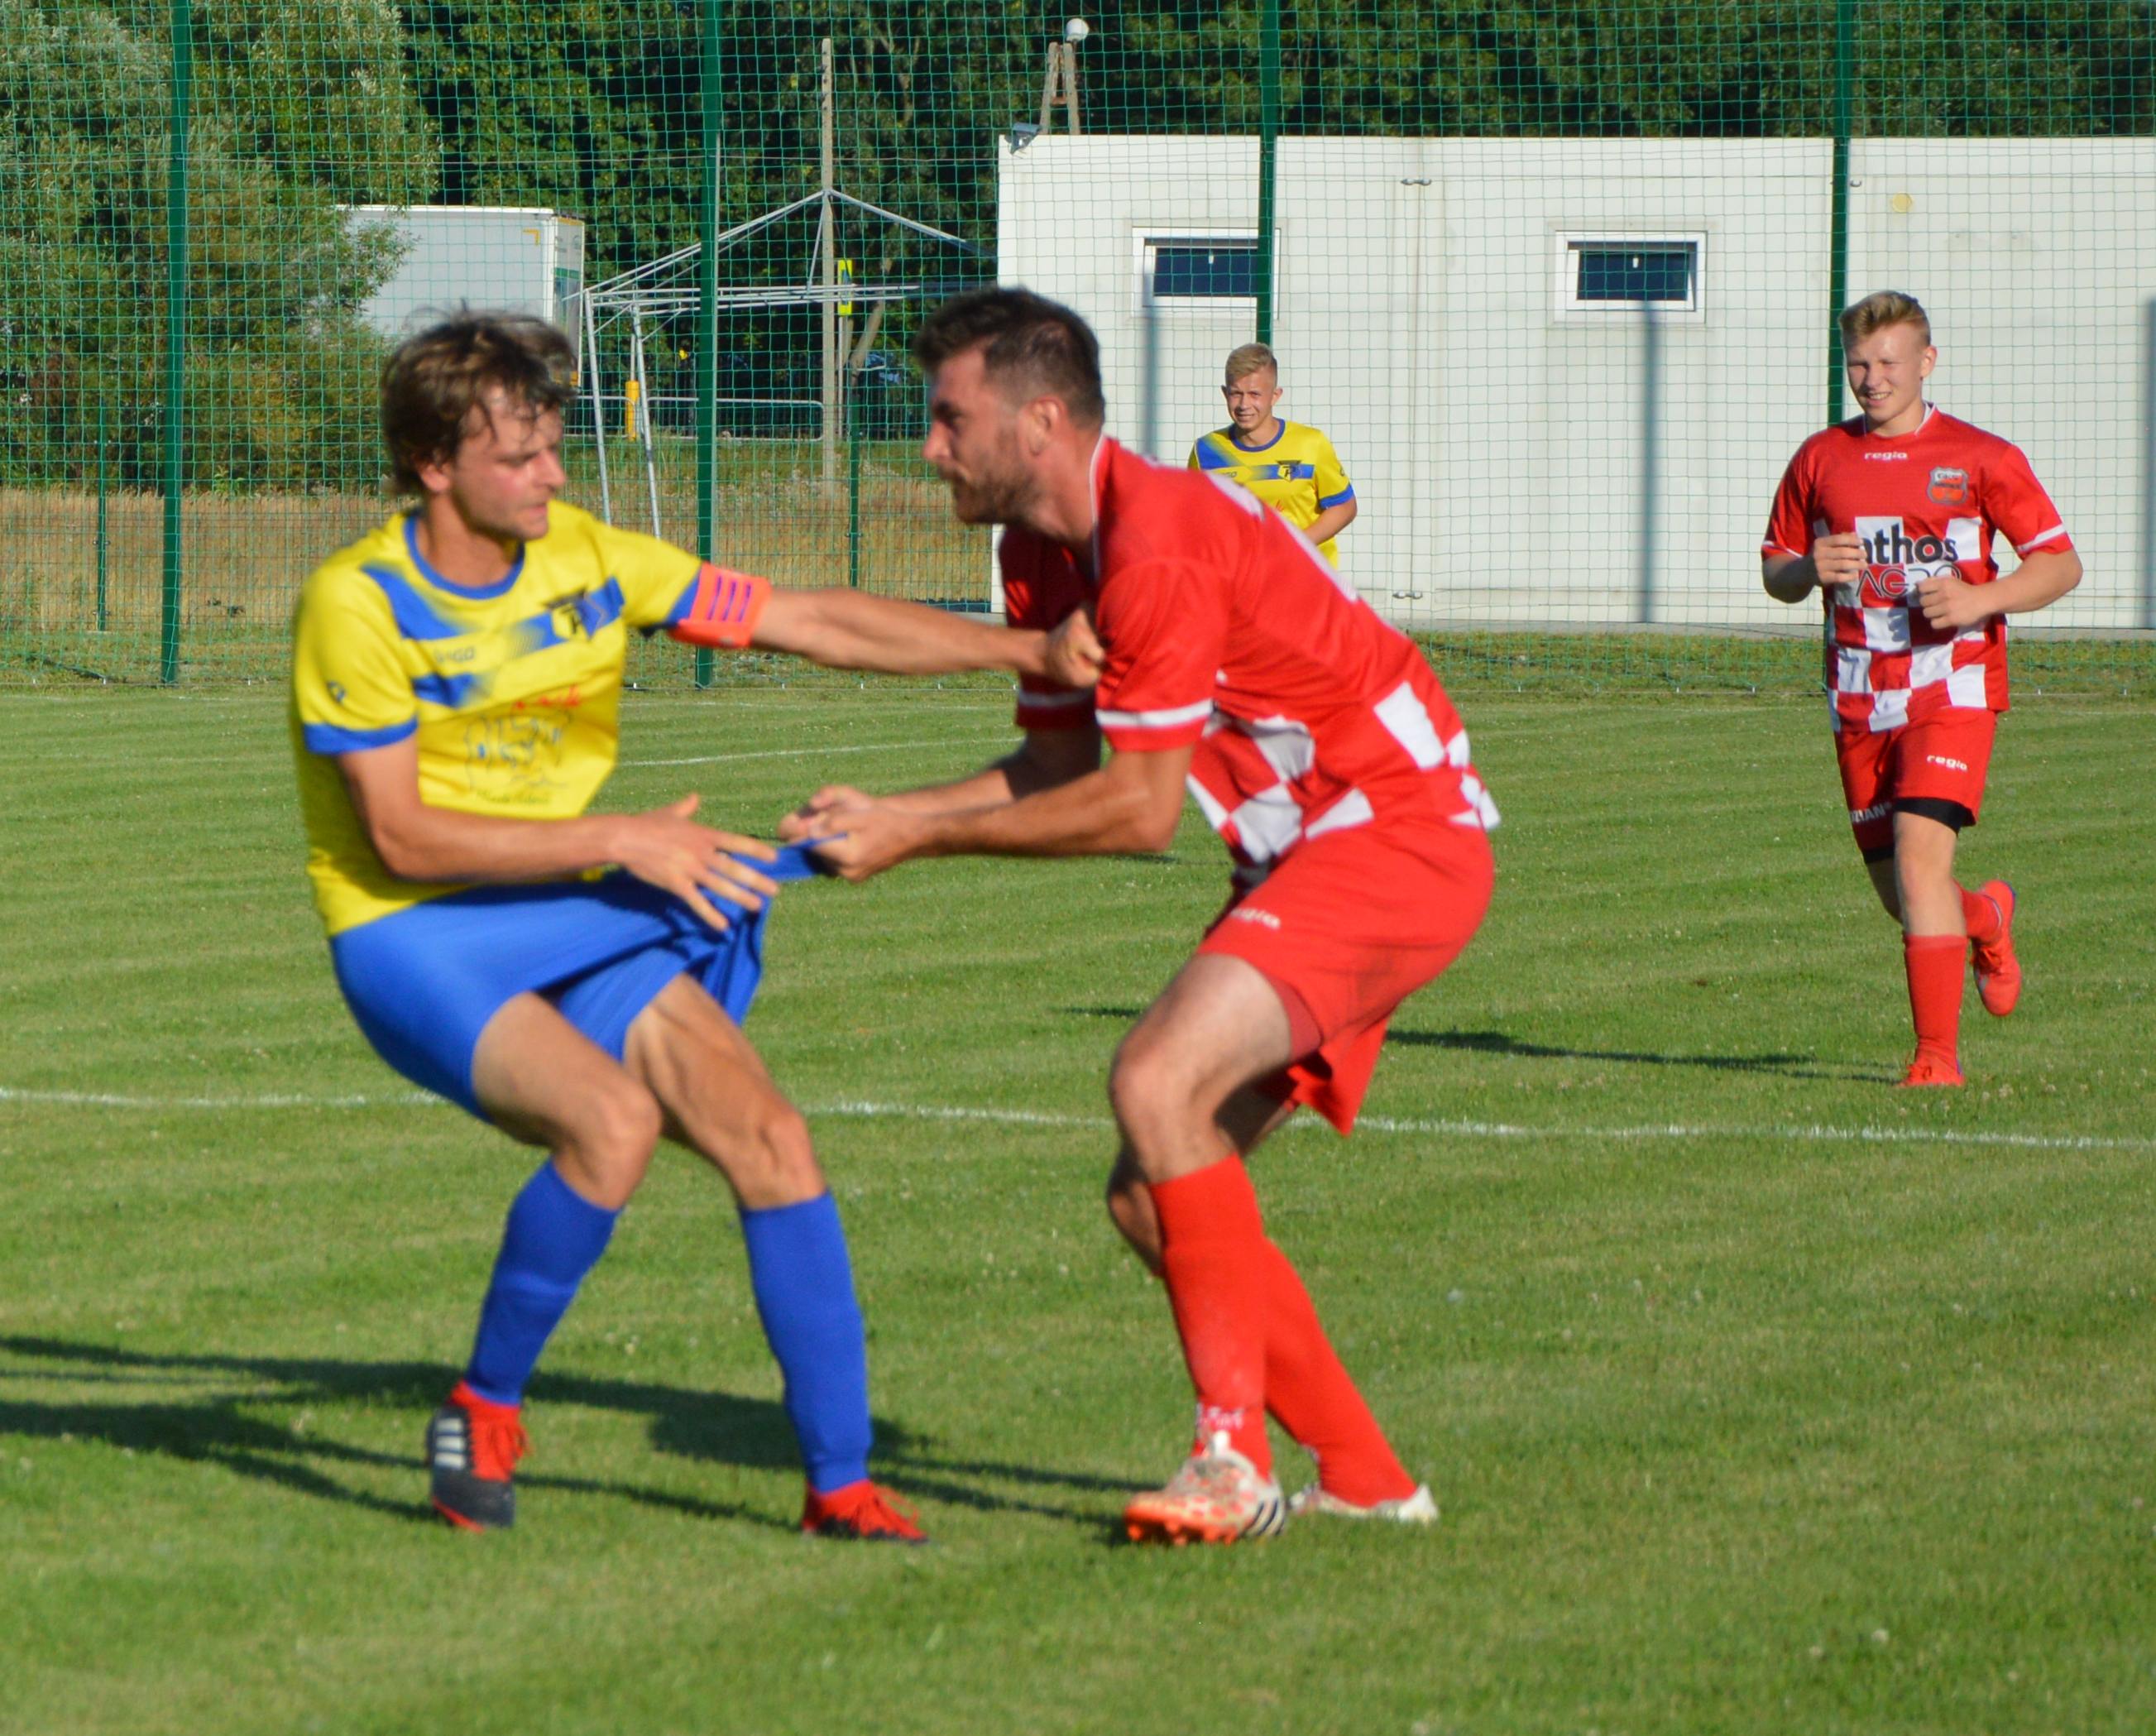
1558	279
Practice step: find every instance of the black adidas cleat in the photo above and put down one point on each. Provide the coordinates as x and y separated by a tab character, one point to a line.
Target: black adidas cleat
472	1450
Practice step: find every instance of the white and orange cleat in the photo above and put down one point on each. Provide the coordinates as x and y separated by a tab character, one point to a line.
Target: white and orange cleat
1217	1497
1926	1069
1418	1509
1997	971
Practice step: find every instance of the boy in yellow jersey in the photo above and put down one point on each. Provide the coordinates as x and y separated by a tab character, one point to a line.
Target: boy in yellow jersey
576	979
1289	466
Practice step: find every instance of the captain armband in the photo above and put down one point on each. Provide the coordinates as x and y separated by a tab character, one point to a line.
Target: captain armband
723	608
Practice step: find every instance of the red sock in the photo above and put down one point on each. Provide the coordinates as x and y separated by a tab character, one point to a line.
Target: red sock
1315	1401
1980	916
1935	963
1212	1259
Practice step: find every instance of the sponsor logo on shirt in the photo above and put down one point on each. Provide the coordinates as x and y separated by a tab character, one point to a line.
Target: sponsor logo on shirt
1899	563
1940	759
1948	486
1886	458
1263	918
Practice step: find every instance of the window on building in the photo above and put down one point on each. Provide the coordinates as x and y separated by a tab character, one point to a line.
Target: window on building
1195	271
1616	273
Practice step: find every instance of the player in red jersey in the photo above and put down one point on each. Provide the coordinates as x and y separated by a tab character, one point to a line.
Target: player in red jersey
1890	515
1319	746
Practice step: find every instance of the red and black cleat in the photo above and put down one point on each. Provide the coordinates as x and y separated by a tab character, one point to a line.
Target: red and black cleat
472	1450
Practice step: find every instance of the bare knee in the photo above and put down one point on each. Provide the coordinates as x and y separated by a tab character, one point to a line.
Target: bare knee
767	1156
605	1151
1146	1089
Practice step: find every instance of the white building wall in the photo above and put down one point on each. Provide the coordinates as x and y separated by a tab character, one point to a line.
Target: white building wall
1495	442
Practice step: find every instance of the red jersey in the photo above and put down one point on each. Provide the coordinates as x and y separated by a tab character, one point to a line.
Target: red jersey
1926	503
1224	628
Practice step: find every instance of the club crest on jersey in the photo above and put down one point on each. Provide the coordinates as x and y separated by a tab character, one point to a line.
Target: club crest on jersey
1948	487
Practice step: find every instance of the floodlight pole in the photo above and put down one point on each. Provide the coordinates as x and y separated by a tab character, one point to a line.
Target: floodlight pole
827	250
1844	49
2148	472
176	339
1269	113
1651	456
599	407
642	416
707	306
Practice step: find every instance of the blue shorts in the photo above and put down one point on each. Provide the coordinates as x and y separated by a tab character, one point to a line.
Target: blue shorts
423	983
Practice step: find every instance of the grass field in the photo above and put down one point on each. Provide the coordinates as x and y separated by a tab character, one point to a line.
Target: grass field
1759	1397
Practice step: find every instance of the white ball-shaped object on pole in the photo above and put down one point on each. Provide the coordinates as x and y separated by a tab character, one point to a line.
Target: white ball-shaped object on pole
1076	30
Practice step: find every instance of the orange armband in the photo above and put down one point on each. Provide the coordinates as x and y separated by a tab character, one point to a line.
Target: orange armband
723	610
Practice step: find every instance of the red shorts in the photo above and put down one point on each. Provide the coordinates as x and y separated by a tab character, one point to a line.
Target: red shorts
1942	756
1349	925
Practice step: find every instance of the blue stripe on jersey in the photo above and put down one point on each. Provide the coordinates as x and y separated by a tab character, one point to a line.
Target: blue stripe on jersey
453	691
600	609
1210	457
415	616
1326	503
595	611
328	738
682	602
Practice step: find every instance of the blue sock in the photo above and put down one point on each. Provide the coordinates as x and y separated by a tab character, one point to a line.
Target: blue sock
805	1292
553	1237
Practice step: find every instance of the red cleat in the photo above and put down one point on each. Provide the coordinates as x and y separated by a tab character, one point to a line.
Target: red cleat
1997	971
862	1511
1930	1069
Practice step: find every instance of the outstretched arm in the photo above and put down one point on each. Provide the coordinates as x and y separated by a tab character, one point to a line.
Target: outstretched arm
1045	760
1129	806
852	629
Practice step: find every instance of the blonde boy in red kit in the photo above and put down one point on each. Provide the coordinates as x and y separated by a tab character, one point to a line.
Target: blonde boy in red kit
1890	515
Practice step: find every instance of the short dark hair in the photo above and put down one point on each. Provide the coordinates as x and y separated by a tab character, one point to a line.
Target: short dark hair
433	381
1033	345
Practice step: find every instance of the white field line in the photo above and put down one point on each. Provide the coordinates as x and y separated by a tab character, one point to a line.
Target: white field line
1815	1133
719	759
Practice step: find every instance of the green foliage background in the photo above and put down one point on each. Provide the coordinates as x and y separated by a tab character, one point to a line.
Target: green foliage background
594	107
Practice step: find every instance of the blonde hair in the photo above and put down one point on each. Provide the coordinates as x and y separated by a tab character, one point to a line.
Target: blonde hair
1881	309
1248	359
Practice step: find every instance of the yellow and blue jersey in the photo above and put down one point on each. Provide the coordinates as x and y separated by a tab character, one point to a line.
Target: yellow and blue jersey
512	689
1296	473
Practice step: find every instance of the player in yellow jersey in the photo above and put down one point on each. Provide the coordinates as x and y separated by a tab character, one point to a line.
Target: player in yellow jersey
576	979
1290	467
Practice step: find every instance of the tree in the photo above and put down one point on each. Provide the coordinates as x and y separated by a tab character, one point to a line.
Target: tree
296	112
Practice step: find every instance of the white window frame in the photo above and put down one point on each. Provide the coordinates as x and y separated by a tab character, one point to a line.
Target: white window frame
1571	243
1144	245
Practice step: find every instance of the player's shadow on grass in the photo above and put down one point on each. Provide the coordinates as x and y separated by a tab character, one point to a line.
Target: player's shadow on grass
224	1414
1781	1066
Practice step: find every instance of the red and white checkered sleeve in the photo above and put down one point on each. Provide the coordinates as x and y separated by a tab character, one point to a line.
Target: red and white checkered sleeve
2015	501
1164	625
